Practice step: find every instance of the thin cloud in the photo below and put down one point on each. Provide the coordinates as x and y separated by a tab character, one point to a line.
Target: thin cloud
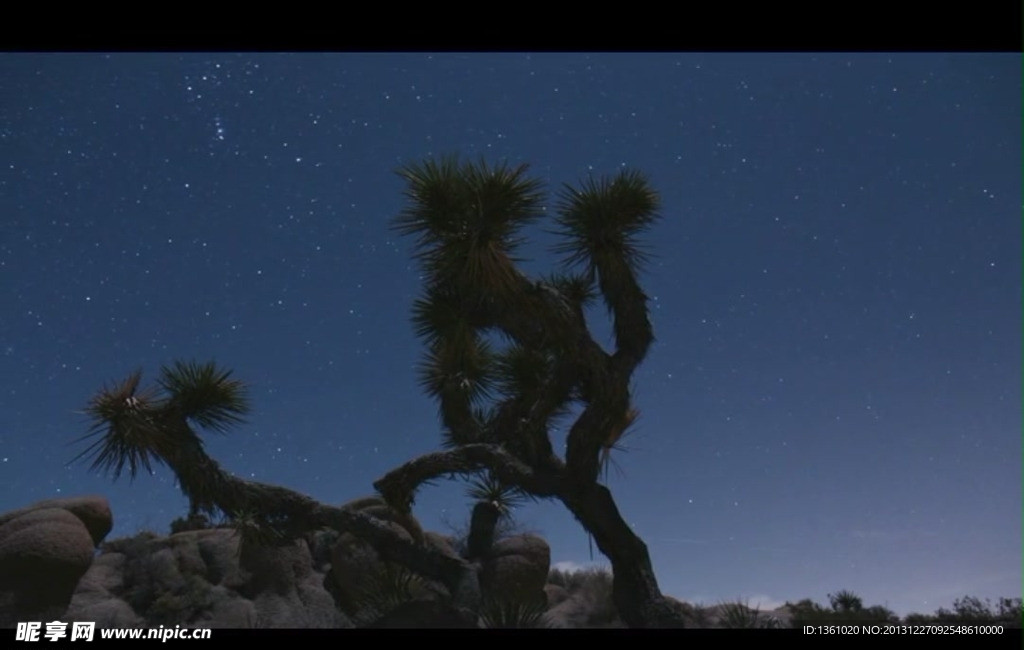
568	566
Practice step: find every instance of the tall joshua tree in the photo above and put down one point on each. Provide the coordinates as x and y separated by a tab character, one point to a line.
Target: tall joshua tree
497	405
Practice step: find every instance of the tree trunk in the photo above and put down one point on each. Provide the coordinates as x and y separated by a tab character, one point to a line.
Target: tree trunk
635	588
481	529
636	593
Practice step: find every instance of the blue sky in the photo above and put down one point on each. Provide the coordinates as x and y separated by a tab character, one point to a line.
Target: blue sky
834	397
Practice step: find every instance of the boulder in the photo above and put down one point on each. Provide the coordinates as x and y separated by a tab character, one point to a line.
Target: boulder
555	594
43	554
361	578
204	578
93	511
516	568
94	598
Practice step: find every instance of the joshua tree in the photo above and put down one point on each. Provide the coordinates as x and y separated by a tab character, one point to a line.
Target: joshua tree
497	405
134	428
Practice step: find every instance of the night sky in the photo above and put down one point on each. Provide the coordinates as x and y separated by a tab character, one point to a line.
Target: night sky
834	397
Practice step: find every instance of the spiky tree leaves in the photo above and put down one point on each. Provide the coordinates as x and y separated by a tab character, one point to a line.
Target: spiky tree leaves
845	601
124	430
205	395
254	530
601	220
466	219
600	223
495	501
132	428
489	488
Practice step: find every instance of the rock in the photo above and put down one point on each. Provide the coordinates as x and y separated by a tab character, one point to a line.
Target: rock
516	568
228	610
105	612
320	544
358	572
589	604
220	550
93	511
277	568
442	543
43	554
555	594
94	598
204	578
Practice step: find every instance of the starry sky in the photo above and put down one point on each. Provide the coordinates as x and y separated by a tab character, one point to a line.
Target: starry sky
834	397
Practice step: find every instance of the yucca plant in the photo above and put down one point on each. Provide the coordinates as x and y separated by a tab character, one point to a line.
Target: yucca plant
386	589
499	613
845	601
495	501
255	531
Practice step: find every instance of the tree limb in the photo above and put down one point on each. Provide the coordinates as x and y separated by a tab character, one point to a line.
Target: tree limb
398	486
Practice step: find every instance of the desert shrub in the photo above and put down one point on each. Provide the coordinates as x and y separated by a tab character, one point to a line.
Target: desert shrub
130	546
697	615
385	590
845	601
970	609
845	608
559	578
194	521
741	616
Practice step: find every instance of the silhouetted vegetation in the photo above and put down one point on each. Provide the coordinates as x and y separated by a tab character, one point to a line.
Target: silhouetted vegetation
1008	612
500	613
497	405
844	607
194	521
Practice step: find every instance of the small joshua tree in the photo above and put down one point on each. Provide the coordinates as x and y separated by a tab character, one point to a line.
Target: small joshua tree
494	501
135	428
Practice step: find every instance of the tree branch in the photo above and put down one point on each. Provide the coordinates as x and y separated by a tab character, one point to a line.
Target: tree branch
399	485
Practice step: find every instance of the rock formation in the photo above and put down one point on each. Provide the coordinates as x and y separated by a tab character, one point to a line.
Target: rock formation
45	550
49	569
